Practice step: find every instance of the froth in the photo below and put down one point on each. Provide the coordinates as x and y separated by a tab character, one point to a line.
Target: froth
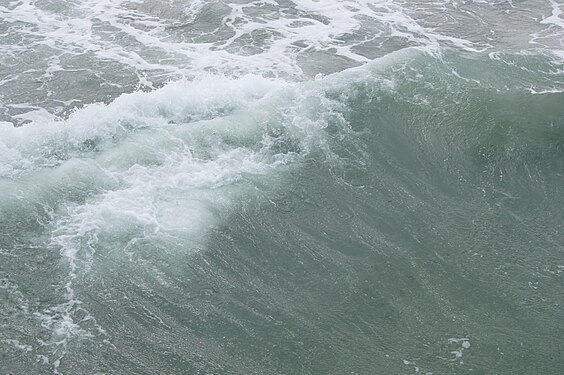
162	167
160	41
41	143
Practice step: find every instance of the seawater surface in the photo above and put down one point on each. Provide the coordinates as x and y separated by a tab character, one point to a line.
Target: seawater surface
281	187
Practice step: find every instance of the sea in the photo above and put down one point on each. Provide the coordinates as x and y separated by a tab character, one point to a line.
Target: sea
281	187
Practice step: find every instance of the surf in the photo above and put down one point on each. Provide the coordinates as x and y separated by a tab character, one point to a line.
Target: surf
148	185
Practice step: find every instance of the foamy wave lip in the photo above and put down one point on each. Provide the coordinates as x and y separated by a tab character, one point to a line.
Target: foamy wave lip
144	143
217	136
48	143
161	186
180	158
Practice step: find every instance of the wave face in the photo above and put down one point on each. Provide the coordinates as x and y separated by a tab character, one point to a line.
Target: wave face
281	187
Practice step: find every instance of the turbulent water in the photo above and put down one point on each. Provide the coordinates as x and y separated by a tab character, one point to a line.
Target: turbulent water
281	187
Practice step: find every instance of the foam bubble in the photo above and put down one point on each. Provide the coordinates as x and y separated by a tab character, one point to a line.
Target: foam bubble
464	344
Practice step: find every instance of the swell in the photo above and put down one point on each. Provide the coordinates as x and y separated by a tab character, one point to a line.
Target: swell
429	247
136	187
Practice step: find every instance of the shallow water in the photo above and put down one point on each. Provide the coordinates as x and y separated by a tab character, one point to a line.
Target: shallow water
281	187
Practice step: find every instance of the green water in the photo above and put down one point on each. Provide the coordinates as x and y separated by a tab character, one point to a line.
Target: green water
402	215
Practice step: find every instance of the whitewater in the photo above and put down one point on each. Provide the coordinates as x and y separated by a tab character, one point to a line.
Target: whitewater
281	187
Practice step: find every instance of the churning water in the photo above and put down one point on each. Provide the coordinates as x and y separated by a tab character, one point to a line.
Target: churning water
281	187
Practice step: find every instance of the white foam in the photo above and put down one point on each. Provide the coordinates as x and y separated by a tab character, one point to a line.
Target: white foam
552	37
312	24
158	41
18	345
464	344
178	158
554	18
166	154
46	142
16	295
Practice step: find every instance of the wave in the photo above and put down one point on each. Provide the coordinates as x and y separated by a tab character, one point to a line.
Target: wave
140	183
